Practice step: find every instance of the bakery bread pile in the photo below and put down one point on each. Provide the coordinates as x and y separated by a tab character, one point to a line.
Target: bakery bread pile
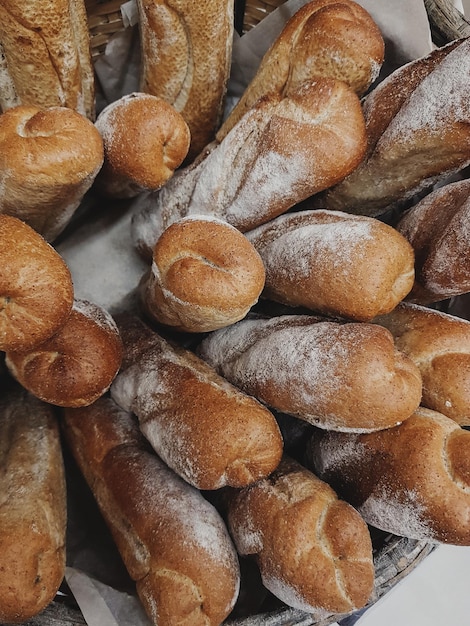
297	266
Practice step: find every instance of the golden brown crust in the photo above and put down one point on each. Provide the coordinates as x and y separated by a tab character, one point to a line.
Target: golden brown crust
332	38
206	430
49	159
283	150
173	542
439	344
334	263
322	563
186	51
437	228
205	275
33	506
77	364
47	59
339	376
418	133
411	480
145	141
36	290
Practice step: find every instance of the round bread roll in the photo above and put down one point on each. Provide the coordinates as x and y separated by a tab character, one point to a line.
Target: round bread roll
76	365
145	140
205	275
36	289
49	159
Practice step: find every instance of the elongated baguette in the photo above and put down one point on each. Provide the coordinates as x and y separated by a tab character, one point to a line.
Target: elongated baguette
411	480
33	509
340	376
338	264
172	541
283	150
205	429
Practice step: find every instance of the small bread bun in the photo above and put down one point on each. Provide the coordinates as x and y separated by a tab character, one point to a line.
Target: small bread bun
205	275
36	290
145	140
76	365
49	159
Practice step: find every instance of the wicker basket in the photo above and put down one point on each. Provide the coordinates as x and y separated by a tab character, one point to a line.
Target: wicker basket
394	557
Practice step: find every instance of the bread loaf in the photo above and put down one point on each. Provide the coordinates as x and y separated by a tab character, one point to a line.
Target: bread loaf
340	376
314	551
439	344
33	509
77	364
173	542
186	51
418	133
411	480
206	430
36	290
336	39
49	159
145	140
204	275
334	263
282	151
437	228
45	55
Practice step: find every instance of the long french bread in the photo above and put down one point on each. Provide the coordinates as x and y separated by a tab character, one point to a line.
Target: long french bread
283	150
341	376
205	429
411	480
172	540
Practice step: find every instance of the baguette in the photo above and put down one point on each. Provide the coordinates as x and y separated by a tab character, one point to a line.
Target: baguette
332	38
281	152
206	430
334	263
186	51
439	344
33	510
418	132
49	158
437	228
45	55
76	365
314	551
145	140
411	480
172	541
36	289
204	275
341	376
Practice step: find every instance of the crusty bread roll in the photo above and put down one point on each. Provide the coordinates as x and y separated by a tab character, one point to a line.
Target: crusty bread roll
437	228
206	430
338	264
204	275
36	289
333	38
340	376
411	480
33	509
49	159
283	150
418	133
186	51
145	141
173	542
45	55
77	364
439	344
314	551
